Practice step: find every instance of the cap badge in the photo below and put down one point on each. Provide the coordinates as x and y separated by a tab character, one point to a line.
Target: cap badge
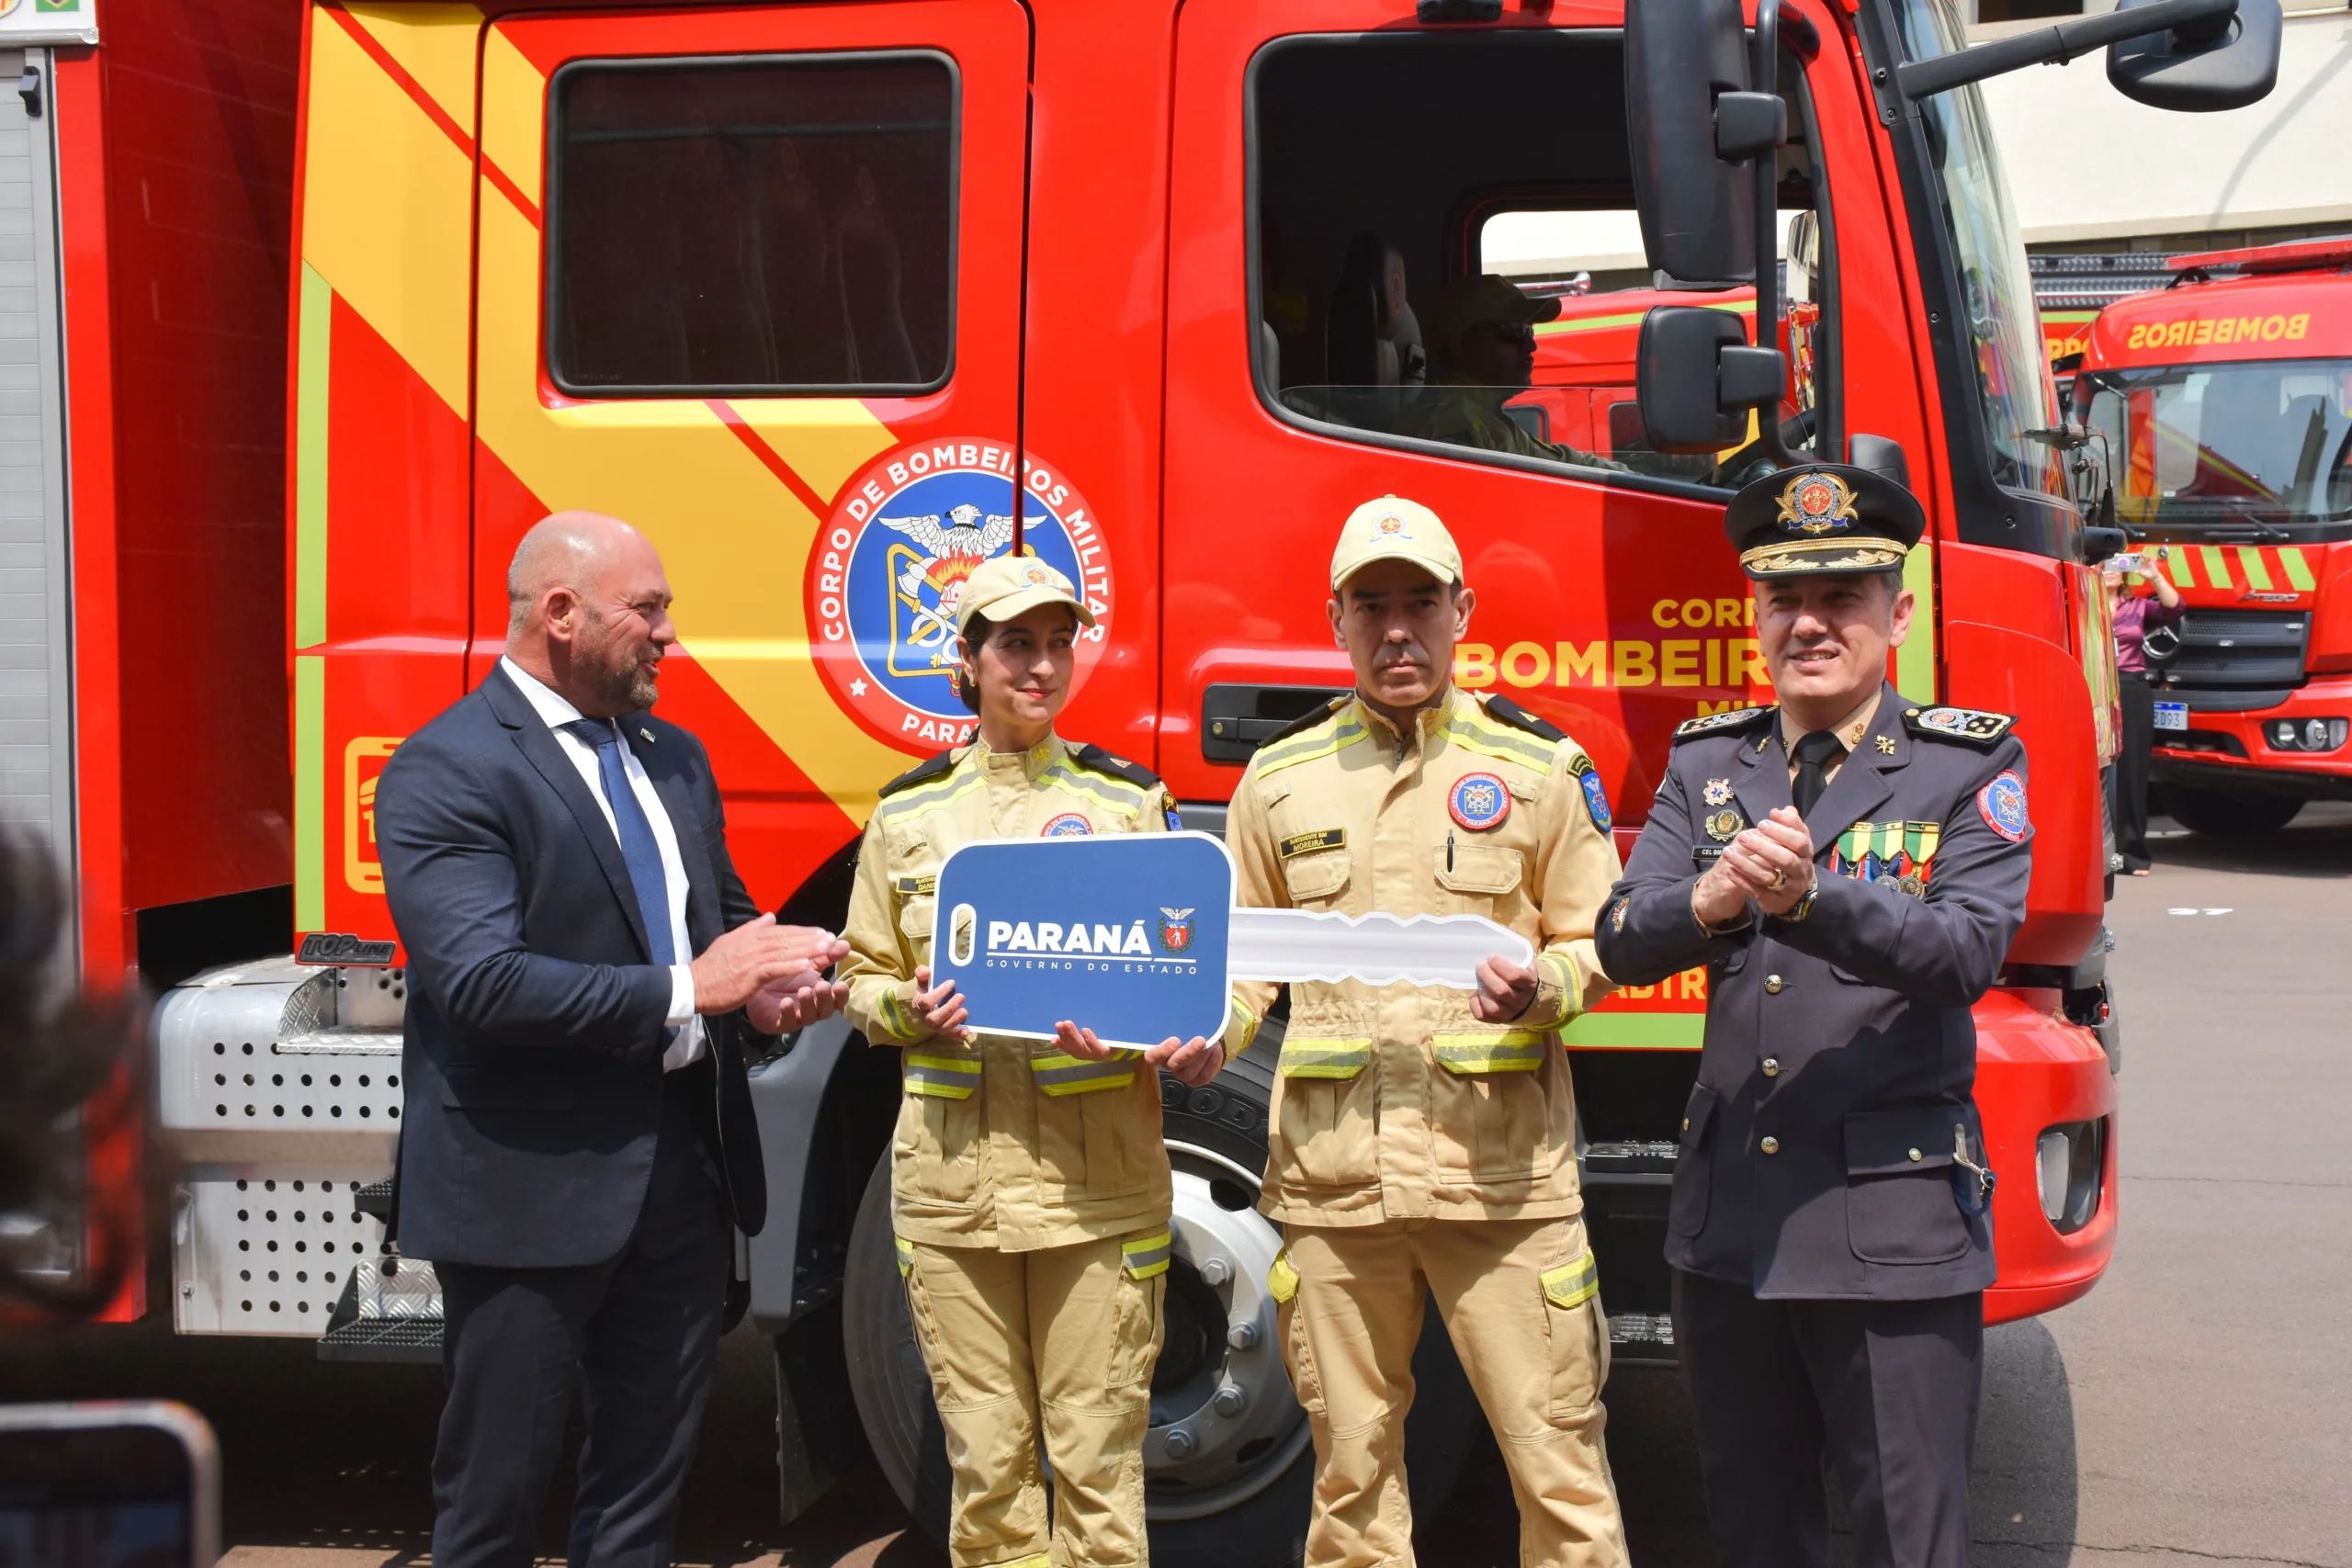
1718	792
1479	801
1040	576
1390	524
1816	504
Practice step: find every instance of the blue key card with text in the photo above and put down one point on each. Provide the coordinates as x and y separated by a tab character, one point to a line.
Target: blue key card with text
1124	935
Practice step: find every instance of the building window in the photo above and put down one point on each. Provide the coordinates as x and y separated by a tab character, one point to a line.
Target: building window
753	225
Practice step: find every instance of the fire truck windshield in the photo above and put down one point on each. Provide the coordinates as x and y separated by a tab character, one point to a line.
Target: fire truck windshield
2012	375
2268	442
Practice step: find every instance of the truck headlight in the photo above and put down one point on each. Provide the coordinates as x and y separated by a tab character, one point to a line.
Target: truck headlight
2069	1162
2307	734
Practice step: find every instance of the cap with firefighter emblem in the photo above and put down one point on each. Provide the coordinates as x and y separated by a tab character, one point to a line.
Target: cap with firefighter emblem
1823	518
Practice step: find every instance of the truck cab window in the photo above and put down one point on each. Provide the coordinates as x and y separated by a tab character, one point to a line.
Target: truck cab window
753	225
1470	274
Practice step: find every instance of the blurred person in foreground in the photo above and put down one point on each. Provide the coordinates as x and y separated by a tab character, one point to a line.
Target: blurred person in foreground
578	1146
60	1053
2135	615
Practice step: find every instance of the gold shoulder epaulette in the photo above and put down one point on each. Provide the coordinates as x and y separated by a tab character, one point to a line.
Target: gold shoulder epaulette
1731	721
1974	727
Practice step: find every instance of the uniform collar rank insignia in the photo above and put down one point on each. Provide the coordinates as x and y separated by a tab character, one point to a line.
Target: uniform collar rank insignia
1816	504
1886	745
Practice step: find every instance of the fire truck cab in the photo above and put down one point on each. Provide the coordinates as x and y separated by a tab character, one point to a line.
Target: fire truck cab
2225	401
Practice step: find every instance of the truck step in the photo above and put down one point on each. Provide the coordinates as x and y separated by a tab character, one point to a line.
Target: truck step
383	1340
1642	1338
375	1199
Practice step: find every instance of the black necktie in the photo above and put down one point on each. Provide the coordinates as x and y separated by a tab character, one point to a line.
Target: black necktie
1813	751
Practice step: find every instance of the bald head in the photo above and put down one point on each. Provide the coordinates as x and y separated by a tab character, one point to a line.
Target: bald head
588	612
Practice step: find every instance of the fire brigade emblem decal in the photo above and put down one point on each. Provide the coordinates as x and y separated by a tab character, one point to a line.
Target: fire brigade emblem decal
888	569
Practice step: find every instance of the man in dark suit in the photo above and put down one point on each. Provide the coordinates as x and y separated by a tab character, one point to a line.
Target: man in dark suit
1852	868
579	1138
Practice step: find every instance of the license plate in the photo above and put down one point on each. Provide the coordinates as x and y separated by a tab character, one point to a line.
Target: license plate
2172	715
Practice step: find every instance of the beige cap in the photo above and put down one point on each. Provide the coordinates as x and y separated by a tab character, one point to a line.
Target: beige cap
1393	528
1002	586
1483	296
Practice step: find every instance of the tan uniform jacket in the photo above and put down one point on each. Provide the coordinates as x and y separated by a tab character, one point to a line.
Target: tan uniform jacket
1394	1102
1001	1143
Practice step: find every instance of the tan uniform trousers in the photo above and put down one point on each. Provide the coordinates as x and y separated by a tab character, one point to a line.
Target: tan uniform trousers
1062	1338
1521	1299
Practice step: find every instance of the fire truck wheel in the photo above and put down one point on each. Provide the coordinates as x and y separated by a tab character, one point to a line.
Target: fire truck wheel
2227	815
1229	1464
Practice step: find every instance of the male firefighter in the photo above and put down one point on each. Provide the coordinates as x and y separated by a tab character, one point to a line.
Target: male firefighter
1483	342
1850	867
1422	1139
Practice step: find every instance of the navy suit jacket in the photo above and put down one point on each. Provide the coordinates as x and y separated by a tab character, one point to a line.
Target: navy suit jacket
537	1019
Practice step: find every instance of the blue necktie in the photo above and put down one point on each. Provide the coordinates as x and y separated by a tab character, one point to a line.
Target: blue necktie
640	852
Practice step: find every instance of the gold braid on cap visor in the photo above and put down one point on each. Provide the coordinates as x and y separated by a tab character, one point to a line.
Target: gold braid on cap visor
1787	559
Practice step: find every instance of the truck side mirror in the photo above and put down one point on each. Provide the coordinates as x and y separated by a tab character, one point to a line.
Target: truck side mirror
1696	379
1697	211
2224	62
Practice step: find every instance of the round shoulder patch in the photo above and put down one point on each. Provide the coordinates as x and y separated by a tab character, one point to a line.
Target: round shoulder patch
2003	804
1595	799
1479	801
1069	824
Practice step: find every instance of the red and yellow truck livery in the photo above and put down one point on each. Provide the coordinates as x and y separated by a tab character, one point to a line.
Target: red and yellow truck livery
2224	400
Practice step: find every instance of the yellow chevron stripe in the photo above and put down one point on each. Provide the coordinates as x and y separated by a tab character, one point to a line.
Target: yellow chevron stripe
2298	570
434	44
2217	566
2257	572
735	540
512	93
388	198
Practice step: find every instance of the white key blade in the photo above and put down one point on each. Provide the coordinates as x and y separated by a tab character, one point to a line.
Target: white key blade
1378	949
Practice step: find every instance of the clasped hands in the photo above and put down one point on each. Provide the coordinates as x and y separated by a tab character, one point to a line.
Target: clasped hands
1194	1061
775	973
1770	866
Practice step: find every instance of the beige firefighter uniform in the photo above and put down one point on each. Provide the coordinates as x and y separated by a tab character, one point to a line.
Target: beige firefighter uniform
1029	1189
1411	1143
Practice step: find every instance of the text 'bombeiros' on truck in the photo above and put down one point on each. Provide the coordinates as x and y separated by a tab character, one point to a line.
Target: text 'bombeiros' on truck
2224	405
333	300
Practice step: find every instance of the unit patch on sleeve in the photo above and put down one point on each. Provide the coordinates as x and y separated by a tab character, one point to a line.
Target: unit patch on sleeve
1308	843
1974	726
2003	804
1730	721
1595	799
1479	801
1069	825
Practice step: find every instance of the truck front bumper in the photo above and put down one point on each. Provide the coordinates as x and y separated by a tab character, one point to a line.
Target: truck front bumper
2235	751
2047	1095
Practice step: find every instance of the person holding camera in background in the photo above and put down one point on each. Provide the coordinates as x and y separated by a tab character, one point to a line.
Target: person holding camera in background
2135	615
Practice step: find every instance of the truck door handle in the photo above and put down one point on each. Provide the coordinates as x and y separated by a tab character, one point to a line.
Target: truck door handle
1237	720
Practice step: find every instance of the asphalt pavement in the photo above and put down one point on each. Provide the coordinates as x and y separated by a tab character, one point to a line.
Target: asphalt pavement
2196	1408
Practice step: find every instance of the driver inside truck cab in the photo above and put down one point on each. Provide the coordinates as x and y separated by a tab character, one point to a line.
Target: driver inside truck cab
1483	340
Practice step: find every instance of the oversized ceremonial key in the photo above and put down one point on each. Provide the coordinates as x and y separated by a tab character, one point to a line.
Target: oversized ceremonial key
1136	937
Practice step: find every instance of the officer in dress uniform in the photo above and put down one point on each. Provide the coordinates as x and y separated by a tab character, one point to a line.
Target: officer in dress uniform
1029	1185
1422	1140
1850	867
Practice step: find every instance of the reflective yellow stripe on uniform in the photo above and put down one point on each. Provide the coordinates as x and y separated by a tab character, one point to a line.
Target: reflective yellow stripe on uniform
1324	1059
1572	1284
1146	1256
1559	969
1116	794
1317	742
906	1256
1282	1279
1490	740
1057	1074
1491	1050
921	802
1240	1027
942	1077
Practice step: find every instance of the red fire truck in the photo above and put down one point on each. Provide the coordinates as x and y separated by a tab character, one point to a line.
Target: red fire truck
2224	400
342	297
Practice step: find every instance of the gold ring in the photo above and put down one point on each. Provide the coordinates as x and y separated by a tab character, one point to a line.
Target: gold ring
1780	880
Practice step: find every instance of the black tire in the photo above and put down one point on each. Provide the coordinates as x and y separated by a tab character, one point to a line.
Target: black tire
2225	814
1267	1529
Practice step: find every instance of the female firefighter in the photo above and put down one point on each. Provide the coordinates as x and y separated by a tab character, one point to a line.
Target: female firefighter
1029	1185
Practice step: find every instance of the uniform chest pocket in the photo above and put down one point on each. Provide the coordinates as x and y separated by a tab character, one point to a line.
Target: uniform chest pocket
1491	870
1317	877
914	922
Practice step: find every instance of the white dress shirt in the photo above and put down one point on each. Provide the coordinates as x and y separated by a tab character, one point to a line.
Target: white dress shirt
687	1043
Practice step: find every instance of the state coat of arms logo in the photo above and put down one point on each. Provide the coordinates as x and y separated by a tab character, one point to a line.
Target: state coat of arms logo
889	565
1175	929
